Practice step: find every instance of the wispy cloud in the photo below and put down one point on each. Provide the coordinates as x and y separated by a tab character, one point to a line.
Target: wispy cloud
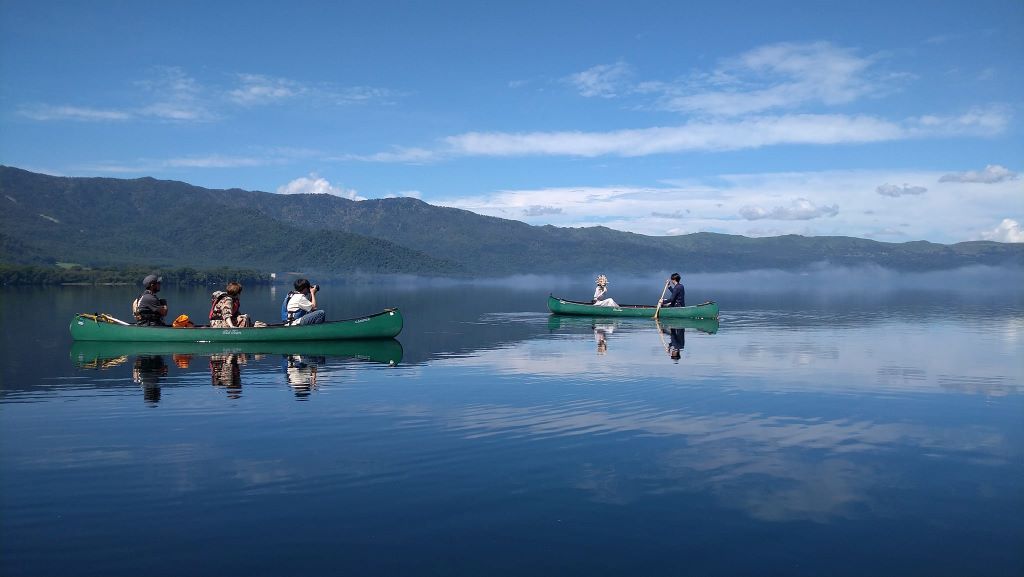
398	155
170	94
603	80
315	184
991	174
777	76
47	112
216	161
798	209
175	96
897	191
539	210
257	89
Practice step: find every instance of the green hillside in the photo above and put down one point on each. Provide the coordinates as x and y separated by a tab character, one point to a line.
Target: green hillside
148	222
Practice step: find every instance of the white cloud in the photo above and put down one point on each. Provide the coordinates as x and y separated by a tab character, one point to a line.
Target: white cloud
896	190
798	209
693	136
314	184
1009	230
604	80
991	174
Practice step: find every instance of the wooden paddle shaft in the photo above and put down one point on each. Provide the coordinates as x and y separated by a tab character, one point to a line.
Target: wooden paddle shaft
658	308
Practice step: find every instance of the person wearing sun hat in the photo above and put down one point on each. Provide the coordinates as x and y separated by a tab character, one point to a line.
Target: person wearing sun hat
601	297
148	309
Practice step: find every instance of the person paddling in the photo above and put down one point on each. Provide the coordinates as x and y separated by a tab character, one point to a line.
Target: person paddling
676	298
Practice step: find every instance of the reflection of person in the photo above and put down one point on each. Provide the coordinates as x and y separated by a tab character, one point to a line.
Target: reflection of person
224	308
601	297
148	309
301	373
225	371
300	306
601	333
676	298
147	372
677	342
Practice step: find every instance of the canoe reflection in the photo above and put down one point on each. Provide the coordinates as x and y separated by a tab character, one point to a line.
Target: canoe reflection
300	361
571	324
672	332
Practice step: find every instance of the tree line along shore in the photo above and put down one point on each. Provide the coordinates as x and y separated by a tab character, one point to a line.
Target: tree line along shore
21	275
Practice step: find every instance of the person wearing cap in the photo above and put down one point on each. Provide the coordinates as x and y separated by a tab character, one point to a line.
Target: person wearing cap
150	310
299	306
676	298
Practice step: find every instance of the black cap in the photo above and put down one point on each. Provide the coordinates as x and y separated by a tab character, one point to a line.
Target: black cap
150	279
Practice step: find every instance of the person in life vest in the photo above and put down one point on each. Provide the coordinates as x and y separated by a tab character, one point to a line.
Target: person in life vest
224	309
299	307
148	309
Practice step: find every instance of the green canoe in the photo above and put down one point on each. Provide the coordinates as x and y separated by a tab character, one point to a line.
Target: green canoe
708	310
100	327
583	324
95	354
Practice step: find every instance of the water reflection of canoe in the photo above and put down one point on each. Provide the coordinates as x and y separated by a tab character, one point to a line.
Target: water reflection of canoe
383	325
97	353
583	324
708	310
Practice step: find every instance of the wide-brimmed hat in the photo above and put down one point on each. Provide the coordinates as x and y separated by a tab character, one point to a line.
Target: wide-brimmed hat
602	280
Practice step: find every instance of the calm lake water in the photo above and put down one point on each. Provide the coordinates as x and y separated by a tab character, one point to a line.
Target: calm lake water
816	430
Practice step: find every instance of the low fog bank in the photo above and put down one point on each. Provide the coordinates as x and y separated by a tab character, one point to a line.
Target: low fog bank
820	278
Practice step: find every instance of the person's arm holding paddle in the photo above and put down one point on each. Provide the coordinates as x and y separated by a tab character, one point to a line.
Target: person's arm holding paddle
657	309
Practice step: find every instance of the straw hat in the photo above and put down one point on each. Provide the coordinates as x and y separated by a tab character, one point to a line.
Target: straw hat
602	280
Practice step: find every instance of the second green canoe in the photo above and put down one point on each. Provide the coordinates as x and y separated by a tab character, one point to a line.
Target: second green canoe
708	310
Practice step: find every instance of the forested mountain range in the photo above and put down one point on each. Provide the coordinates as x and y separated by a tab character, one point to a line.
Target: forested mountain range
149	222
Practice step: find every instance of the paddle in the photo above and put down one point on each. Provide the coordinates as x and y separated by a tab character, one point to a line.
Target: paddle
658	308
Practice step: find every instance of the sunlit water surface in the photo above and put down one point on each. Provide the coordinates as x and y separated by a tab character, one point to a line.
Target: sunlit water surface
807	433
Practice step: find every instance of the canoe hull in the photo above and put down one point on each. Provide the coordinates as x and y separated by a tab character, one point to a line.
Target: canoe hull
383	325
708	310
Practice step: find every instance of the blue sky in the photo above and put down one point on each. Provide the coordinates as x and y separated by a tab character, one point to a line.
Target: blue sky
895	121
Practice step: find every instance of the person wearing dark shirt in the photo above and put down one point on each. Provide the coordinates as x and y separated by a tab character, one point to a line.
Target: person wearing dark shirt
150	310
676	298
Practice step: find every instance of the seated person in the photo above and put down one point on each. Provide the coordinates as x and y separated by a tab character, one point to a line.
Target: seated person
601	297
148	309
299	307
224	308
676	298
